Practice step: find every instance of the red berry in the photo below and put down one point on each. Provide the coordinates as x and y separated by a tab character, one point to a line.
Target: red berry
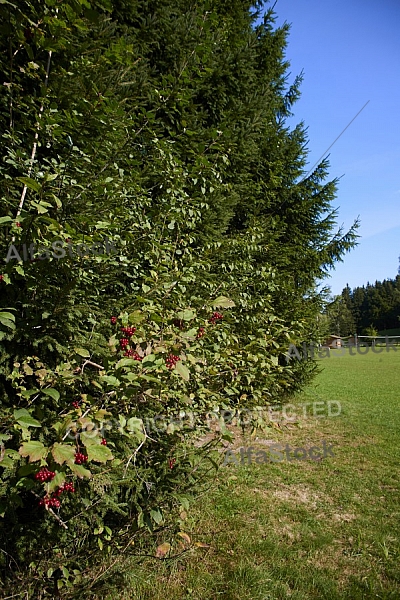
80	458
133	354
68	487
45	501
129	331
124	343
171	360
1	277
18	224
200	332
44	475
215	317
54	501
76	404
113	320
103	442
172	462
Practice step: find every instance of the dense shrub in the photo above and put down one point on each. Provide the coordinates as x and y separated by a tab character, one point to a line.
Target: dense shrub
158	138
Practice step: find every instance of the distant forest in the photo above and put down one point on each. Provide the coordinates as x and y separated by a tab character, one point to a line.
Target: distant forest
366	310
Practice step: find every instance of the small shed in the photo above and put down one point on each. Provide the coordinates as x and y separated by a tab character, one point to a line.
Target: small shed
333	341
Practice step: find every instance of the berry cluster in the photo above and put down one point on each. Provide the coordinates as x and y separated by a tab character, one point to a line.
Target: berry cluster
172	462
201	332
44	475
123	342
1	277
129	331
215	317
76	403
171	360
133	354
103	442
80	458
52	502
68	486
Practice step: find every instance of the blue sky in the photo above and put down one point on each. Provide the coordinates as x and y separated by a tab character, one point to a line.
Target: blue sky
349	51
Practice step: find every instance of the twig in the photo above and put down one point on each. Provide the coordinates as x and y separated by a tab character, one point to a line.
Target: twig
89	362
34	148
134	455
50	510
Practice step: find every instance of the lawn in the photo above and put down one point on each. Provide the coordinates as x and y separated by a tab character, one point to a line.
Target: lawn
313	529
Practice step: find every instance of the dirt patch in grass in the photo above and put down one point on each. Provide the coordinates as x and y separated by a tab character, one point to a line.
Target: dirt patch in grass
300	493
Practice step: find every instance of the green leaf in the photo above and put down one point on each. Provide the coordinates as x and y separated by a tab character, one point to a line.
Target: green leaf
150	358
29	393
51	177
136	317
223	302
99	454
111	380
182	370
185	315
90	438
82	352
12	453
27	470
5	220
24	418
40	208
34	450
56	482
156	516
7	315
228	436
189	334
65	572
79	470
101	414
135	424
7	323
63	453
30	183
126	362
52	393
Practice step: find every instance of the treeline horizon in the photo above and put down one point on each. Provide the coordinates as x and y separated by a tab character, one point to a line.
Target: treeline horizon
367	309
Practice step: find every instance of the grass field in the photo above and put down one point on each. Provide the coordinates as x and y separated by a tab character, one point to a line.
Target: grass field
326	529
